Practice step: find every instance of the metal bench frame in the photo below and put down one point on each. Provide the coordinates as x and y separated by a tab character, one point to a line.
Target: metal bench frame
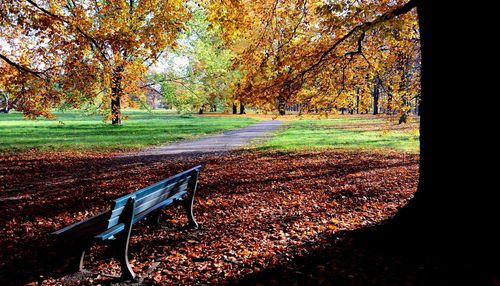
114	227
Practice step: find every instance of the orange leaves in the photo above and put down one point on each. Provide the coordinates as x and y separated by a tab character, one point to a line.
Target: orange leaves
69	50
246	224
310	51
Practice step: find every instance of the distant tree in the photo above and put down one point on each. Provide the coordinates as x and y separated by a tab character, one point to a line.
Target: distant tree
75	51
205	77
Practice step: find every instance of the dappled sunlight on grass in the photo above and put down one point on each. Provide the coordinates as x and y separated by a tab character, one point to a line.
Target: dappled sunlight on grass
75	130
347	132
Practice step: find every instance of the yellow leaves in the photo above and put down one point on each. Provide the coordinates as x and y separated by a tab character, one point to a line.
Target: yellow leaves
332	227
333	224
76	47
275	35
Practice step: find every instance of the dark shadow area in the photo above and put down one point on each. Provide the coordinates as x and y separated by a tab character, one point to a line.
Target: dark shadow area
377	255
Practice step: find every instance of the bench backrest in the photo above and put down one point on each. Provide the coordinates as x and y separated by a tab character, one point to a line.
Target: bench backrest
147	200
155	196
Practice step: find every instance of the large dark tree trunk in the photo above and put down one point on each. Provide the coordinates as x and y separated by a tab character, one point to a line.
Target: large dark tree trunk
242	108
116	95
116	113
452	214
235	109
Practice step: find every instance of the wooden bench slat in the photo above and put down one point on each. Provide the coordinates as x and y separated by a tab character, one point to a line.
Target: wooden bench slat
168	188
182	188
141	214
115	214
84	225
121	201
144	211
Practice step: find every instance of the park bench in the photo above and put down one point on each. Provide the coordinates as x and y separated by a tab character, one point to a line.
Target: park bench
114	226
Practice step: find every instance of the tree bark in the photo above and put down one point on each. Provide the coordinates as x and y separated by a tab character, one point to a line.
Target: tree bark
376	94
235	109
116	95
242	108
281	106
389	103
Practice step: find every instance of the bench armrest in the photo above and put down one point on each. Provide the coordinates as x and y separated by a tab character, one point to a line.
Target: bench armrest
110	232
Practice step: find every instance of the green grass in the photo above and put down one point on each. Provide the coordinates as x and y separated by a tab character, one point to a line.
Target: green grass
346	132
73	130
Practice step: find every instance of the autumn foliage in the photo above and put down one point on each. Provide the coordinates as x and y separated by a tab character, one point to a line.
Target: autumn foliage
323	55
74	52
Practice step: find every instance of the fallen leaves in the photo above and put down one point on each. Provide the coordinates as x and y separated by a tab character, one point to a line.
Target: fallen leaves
257	210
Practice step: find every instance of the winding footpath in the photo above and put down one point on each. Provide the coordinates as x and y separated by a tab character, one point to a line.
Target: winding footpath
222	142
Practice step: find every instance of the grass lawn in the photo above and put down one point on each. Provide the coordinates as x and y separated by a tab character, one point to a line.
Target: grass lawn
347	132
77	131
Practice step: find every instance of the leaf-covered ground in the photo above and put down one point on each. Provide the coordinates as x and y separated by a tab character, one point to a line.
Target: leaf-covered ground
267	218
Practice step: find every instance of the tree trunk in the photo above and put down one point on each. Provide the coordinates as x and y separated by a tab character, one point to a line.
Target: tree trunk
200	112
357	104
403	118
452	213
5	109
235	109
242	108
116	94
281	106
116	114
376	94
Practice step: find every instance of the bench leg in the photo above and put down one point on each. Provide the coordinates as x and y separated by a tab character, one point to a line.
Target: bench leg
123	241
189	210
121	252
188	203
79	257
76	250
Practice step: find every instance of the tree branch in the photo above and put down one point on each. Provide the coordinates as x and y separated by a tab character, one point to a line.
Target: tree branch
93	43
364	27
21	68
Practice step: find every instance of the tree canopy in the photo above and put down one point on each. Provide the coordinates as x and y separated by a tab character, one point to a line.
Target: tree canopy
62	51
325	55
322	53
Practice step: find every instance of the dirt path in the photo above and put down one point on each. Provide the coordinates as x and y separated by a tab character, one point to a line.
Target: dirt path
227	141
